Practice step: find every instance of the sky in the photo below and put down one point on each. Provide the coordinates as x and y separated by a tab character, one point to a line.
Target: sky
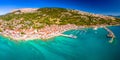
105	7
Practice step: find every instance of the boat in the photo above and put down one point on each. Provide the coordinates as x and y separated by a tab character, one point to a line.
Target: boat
72	36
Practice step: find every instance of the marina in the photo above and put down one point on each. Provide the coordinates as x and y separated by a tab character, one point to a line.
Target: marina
110	35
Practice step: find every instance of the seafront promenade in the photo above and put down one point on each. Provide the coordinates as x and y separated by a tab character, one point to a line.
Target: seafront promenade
44	33
48	32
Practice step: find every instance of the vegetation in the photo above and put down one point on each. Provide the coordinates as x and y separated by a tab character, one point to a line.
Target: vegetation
50	16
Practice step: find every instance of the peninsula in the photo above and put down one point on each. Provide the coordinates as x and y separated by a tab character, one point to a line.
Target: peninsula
44	23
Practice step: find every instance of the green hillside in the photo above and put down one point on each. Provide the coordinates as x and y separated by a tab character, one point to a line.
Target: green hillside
49	16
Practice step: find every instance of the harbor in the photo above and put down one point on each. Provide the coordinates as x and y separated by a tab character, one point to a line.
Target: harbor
110	35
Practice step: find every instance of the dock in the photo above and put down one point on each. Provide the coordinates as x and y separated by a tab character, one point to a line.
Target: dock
70	36
110	34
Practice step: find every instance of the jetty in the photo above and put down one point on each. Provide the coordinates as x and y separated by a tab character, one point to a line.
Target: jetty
70	36
110	34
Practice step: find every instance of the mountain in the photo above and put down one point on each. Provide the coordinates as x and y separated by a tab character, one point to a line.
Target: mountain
40	17
118	16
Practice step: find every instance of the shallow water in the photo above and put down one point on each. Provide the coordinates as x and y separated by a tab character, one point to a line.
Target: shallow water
89	45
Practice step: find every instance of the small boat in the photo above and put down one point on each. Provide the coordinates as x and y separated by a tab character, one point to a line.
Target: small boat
95	28
72	36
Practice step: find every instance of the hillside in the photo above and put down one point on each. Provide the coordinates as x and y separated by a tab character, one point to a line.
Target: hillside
40	17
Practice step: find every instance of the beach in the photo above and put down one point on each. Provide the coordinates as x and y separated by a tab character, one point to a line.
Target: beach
44	33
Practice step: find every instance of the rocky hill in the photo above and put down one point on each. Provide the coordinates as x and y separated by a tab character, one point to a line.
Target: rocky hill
40	17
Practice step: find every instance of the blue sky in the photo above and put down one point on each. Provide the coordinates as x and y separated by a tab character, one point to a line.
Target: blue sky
106	7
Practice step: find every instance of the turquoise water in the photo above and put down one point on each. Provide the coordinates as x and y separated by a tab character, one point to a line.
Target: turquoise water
90	45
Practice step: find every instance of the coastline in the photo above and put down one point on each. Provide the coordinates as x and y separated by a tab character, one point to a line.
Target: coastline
44	34
53	34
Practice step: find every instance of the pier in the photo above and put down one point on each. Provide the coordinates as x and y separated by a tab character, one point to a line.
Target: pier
70	36
110	34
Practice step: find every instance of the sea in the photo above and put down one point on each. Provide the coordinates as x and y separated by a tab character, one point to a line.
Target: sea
90	44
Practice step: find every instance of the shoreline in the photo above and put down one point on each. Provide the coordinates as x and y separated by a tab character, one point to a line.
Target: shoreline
43	34
53	34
